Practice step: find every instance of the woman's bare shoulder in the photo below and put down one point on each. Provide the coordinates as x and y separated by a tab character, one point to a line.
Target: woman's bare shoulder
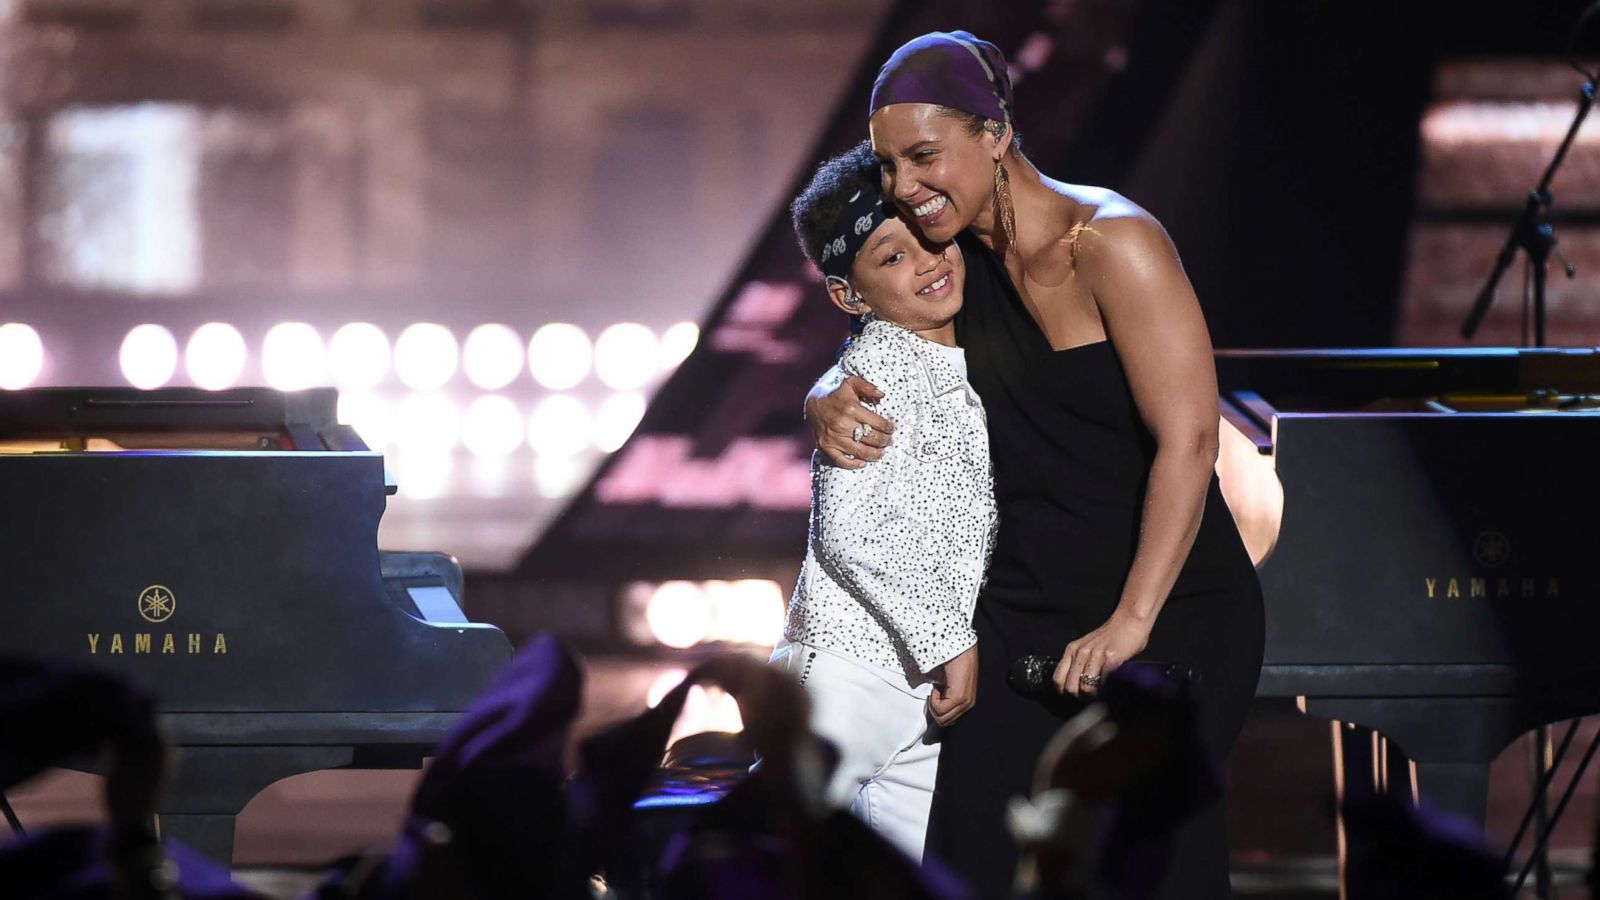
1113	227
1089	202
1103	207
1098	222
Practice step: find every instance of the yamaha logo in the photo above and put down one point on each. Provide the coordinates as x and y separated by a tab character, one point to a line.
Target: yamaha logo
156	603
1491	549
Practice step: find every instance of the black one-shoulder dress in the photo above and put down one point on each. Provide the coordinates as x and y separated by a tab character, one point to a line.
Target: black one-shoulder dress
1071	459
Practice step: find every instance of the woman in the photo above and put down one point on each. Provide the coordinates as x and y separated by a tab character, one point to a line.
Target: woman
1087	344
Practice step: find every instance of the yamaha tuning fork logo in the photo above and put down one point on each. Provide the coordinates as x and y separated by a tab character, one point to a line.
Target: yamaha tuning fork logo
156	603
1491	549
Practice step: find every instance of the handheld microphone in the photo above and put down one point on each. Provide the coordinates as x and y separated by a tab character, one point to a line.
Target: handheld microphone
1030	676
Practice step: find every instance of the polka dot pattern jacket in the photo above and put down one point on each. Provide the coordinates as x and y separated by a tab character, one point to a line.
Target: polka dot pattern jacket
898	549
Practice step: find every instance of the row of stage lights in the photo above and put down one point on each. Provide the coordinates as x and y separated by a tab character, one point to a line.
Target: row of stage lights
359	356
683	614
493	424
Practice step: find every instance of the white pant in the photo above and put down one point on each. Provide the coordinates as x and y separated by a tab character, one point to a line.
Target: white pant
888	748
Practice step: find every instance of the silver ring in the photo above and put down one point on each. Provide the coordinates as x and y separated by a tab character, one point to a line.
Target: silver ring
1090	680
861	431
849	456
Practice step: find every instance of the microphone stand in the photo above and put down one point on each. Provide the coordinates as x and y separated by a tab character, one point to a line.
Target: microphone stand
1533	234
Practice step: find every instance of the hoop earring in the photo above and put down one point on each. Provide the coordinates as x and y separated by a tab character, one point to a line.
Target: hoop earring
1002	202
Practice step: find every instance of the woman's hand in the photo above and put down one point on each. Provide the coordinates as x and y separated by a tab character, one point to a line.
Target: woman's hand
835	414
1098	653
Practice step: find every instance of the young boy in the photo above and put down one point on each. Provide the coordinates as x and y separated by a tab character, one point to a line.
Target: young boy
880	625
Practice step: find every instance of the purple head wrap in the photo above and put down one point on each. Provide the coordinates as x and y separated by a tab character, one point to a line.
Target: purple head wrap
953	69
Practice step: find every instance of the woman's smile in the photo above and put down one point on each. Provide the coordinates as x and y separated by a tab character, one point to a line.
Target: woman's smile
929	212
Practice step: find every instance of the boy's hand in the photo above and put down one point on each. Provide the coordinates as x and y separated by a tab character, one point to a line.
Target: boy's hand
957	689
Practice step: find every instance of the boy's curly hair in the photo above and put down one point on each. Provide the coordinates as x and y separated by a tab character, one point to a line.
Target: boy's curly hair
817	208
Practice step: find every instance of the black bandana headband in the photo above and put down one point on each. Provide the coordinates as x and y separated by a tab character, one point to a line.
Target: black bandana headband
861	216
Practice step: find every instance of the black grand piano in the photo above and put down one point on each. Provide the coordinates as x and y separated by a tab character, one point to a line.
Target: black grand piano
221	548
1435	576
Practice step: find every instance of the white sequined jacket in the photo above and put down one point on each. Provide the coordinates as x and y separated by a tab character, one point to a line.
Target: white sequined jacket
898	549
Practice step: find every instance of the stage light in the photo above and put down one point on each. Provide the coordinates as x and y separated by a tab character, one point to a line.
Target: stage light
427	423
662	685
555	477
358	356
492	356
747	611
626	356
149	356
704	709
292	356
559	426
215	356
368	414
491	475
559	355
21	356
616	418
722	711
423	474
631	604
679	614
677	343
425	356
493	426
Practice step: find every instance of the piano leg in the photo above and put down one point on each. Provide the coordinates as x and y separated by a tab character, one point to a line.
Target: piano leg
1365	763
1455	787
1449	741
211	785
1370	762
